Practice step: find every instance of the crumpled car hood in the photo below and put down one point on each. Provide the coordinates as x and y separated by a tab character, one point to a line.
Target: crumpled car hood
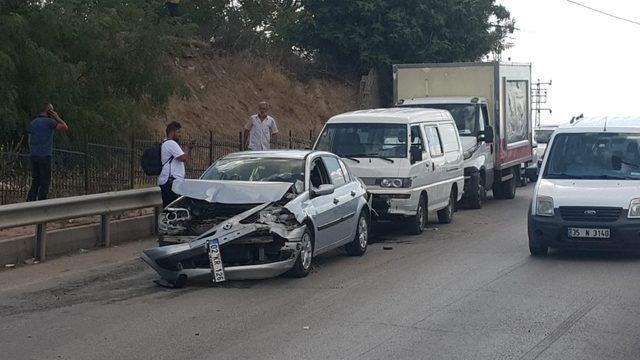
232	192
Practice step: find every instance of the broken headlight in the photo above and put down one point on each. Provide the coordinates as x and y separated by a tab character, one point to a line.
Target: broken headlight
171	218
276	215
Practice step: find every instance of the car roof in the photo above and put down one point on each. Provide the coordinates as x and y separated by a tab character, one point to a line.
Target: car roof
276	154
603	124
391	115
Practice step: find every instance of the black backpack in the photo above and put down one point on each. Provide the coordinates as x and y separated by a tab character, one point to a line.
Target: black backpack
151	161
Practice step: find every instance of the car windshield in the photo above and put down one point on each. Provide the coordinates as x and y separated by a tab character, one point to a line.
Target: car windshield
365	140
257	169
594	156
543	136
465	116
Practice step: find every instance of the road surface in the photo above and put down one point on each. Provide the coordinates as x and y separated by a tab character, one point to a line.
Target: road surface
468	290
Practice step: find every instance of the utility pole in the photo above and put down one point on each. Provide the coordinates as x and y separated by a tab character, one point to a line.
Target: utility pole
538	98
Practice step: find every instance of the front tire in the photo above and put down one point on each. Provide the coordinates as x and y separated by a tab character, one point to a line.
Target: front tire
445	216
358	246
418	222
302	266
477	195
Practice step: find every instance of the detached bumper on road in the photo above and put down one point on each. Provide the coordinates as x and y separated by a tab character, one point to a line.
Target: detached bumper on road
553	232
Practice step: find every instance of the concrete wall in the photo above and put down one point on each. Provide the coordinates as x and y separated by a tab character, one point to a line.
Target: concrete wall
65	241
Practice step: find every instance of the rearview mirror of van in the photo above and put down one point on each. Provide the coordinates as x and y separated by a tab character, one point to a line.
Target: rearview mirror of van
616	162
416	154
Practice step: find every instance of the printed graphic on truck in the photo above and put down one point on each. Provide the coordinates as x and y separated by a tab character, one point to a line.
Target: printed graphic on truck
517	109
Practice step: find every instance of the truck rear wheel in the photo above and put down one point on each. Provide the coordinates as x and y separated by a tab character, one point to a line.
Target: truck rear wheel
506	189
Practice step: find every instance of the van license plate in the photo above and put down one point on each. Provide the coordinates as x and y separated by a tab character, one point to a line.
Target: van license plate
589	233
215	259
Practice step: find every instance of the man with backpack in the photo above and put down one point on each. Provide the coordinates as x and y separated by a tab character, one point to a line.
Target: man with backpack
172	159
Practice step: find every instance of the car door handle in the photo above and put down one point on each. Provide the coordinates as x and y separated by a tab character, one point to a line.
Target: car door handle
353	193
336	201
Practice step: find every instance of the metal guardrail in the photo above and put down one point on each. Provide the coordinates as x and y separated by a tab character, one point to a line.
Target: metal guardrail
39	213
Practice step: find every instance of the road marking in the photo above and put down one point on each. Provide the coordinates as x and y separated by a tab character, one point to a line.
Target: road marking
559	331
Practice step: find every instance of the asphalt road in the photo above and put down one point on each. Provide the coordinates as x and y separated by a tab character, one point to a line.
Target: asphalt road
468	290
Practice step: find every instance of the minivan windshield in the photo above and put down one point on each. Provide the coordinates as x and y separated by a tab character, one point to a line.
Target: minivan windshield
364	140
543	136
465	116
594	156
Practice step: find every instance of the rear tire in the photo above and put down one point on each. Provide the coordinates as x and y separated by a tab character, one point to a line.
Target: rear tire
445	216
302	266
509	187
358	246
418	222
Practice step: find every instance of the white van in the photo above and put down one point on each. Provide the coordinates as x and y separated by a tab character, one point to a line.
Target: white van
409	159
588	193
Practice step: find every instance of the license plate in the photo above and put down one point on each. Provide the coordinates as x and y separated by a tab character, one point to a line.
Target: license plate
215	259
589	233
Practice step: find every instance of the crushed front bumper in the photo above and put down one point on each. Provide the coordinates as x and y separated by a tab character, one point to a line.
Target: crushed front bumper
396	202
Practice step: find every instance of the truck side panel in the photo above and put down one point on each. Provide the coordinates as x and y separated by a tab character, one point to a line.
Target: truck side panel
444	80
515	115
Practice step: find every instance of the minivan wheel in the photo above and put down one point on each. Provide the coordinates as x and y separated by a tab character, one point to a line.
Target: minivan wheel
537	249
302	266
445	216
418	222
358	246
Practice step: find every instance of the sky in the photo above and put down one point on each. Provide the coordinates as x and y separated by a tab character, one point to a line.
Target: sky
593	60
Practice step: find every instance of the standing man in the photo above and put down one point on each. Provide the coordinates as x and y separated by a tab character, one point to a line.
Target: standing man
173	159
173	7
260	129
40	132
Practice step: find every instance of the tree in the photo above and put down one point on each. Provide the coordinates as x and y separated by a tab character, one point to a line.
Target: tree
102	63
360	34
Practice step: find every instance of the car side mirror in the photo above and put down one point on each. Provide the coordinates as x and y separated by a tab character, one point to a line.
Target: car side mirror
415	154
486	135
616	162
324	189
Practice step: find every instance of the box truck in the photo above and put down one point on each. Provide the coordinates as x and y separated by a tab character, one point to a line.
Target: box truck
490	102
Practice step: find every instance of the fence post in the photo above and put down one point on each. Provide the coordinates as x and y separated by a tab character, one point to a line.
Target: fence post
210	147
241	141
41	242
310	135
132	169
86	165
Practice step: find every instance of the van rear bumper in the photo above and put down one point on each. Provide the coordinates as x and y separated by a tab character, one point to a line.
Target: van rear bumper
553	232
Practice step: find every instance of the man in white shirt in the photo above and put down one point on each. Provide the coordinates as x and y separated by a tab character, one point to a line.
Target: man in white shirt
260	129
173	159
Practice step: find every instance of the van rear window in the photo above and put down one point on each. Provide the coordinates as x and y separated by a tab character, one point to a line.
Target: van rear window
364	140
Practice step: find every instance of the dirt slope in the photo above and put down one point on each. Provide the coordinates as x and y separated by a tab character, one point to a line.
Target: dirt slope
227	88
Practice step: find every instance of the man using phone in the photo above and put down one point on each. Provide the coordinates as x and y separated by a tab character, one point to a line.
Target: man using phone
173	159
40	132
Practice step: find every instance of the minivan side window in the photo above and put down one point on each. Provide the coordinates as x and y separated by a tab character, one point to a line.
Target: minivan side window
433	138
416	137
449	138
335	171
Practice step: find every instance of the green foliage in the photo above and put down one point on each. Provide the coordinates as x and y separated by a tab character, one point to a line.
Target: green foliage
102	63
360	34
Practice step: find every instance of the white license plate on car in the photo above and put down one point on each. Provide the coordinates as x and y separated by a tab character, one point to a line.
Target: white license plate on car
215	259
589	233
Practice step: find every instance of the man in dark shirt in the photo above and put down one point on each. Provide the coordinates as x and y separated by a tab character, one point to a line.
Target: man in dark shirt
41	131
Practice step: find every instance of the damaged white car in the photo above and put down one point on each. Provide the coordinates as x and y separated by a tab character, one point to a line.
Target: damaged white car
254	215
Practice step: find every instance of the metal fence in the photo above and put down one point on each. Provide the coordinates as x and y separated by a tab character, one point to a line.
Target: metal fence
91	168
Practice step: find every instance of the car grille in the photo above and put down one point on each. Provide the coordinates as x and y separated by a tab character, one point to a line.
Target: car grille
583	213
369	181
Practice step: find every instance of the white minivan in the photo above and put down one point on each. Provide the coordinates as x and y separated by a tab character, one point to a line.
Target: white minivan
588	193
410	160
